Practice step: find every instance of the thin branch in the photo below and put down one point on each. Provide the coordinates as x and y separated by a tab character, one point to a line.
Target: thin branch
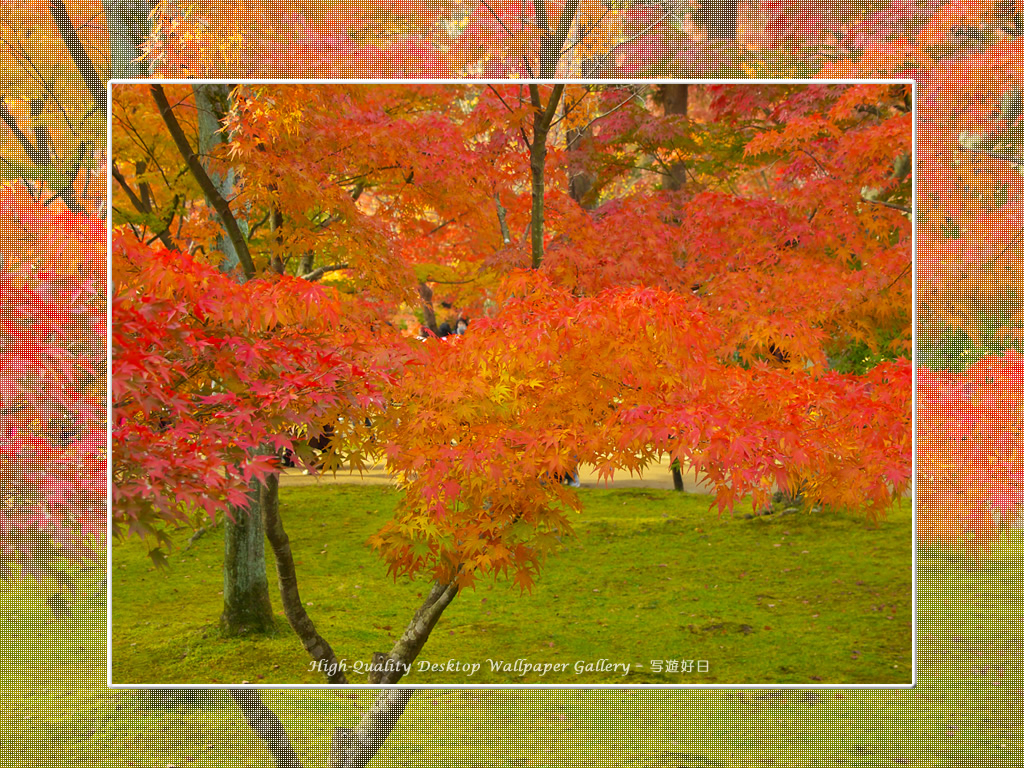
885	204
628	40
82	61
616	108
451	282
901	274
500	98
497	18
205	183
584	32
143	206
441	226
506	236
258	224
316	274
996	155
265	724
817	163
35	154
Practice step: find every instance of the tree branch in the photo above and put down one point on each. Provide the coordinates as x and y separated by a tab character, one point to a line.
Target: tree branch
551	47
415	636
427	302
538	155
319	272
36	154
214	197
82	61
995	155
316	646
266	725
506	236
637	36
144	206
894	206
355	748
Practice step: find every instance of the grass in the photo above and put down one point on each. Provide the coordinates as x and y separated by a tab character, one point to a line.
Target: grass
652	576
965	710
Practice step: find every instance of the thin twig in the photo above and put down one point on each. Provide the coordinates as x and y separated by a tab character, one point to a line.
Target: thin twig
894	206
316	274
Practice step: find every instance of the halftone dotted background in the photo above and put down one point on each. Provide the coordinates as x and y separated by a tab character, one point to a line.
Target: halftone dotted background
964	711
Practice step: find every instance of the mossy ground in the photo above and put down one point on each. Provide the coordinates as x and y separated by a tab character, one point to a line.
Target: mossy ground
965	710
651	576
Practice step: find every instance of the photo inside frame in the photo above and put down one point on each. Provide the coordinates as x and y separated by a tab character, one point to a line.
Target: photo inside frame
485	384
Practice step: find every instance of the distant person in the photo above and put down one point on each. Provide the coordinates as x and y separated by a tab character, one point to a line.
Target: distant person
444	331
461	326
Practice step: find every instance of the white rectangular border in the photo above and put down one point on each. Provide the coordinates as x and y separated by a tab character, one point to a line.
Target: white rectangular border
461	81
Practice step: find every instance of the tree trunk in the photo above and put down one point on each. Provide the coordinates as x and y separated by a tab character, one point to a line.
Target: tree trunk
266	725
128	24
718	19
355	747
247	607
427	302
677	477
542	117
213	101
676	101
577	141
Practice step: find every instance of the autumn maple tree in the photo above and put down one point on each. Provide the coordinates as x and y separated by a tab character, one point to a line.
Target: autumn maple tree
701	320
964	57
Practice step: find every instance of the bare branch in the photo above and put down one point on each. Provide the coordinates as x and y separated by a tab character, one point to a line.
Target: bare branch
319	272
219	204
144	206
82	61
616	108
637	36
500	98
885	204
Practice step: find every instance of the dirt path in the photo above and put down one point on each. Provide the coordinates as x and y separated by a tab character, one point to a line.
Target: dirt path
657	476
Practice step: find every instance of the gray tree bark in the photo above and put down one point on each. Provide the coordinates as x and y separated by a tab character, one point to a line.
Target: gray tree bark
128	23
247	607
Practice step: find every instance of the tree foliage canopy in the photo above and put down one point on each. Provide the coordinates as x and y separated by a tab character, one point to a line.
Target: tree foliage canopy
708	322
